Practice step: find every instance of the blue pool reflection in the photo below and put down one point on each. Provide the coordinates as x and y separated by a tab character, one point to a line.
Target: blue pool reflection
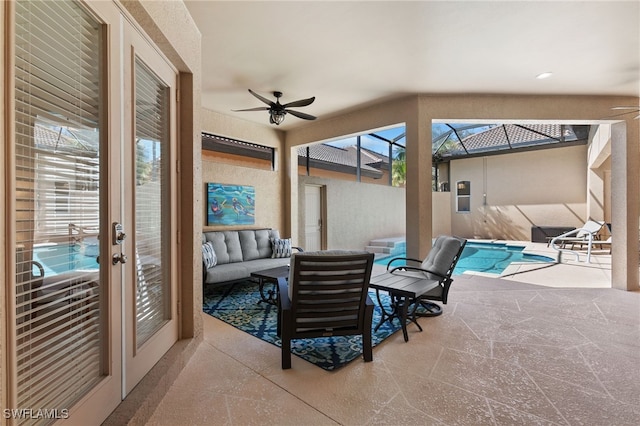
59	258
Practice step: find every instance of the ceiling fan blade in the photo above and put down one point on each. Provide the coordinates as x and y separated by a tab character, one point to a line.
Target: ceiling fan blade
301	115
252	109
627	107
262	98
300	103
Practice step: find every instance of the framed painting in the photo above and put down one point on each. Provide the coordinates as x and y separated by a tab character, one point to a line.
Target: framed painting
230	205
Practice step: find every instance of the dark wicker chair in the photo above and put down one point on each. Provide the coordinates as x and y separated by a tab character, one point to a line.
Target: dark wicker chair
327	295
436	269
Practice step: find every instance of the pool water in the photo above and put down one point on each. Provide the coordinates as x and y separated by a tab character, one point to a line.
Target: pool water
488	258
60	258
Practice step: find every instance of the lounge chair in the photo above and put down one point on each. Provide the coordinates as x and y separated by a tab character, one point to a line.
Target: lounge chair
579	236
436	269
327	295
586	235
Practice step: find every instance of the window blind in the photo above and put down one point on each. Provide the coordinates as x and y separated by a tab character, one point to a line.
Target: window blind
57	209
151	203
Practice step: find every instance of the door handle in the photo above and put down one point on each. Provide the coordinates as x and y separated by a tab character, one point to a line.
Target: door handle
122	258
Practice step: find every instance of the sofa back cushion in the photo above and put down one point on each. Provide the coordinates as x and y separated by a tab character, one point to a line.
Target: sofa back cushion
249	244
241	245
226	244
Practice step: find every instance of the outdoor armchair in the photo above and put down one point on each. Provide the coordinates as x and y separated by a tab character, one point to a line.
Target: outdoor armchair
327	295
436	269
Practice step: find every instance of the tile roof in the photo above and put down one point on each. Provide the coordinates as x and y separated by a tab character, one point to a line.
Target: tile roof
347	157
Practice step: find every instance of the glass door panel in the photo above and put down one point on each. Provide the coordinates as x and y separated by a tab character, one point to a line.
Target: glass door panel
59	337
152	239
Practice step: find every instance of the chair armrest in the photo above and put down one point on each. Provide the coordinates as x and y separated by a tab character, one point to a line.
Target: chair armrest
300	250
415	268
401	258
283	288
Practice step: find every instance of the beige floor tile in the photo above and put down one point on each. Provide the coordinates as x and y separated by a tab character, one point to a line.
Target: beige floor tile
503	353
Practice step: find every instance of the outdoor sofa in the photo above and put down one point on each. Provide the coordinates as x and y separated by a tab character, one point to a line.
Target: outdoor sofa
232	255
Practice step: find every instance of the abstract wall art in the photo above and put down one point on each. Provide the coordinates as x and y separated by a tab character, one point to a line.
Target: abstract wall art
230	205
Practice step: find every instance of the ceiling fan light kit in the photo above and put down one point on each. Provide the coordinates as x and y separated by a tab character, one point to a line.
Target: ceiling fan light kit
277	111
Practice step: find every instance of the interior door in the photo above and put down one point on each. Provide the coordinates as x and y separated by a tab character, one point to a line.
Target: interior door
149	250
313	218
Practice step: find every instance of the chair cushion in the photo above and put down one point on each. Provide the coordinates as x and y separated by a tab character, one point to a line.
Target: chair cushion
441	255
209	255
281	247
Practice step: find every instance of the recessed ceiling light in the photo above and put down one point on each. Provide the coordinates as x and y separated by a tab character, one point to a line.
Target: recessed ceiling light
544	75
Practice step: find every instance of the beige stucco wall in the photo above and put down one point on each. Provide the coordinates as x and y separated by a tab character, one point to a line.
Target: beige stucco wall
545	187
356	212
268	184
441	220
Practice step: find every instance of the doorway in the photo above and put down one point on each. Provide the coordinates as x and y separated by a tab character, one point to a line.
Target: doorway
315	207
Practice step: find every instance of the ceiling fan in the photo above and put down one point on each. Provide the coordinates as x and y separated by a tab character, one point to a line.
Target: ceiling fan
631	109
277	111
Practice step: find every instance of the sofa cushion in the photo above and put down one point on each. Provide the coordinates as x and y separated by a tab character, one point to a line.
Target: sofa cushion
281	247
248	245
263	238
209	255
241	270
226	245
226	272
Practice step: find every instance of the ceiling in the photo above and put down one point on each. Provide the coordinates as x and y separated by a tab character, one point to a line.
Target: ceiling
355	53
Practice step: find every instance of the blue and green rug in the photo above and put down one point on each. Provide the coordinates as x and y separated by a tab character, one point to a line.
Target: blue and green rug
237	305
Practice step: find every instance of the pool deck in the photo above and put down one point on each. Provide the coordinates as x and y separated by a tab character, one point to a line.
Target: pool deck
567	273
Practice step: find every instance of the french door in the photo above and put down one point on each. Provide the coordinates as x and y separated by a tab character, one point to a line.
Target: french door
148	201
92	211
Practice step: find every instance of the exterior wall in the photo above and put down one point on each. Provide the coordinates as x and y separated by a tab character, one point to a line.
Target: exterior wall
442	213
356	212
599	177
545	187
268	184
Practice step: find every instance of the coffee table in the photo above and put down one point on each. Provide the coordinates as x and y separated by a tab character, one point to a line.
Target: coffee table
270	276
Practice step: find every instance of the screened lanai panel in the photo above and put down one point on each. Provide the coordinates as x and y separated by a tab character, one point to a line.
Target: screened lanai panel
58	353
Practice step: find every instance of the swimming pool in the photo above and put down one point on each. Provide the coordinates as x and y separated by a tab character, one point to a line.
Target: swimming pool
488	258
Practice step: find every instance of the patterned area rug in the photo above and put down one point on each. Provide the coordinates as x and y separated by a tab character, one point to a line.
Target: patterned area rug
238	306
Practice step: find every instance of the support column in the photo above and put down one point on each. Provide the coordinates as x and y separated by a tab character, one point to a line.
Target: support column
625	198
418	189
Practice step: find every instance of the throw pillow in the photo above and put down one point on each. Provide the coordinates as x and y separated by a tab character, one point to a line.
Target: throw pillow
209	255
281	247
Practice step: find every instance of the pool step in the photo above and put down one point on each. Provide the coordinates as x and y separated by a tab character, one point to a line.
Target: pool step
387	246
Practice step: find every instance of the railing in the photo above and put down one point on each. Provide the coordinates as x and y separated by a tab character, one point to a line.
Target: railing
567	238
